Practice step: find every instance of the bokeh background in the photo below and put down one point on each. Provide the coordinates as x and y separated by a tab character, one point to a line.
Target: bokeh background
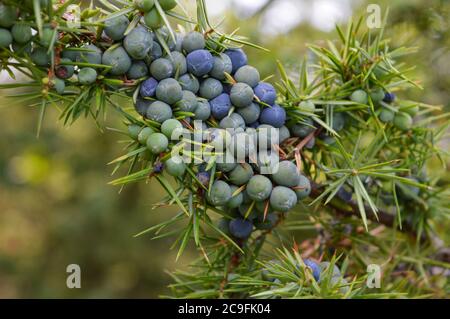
56	207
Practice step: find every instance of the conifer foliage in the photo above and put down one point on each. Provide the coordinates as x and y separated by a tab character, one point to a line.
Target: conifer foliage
350	153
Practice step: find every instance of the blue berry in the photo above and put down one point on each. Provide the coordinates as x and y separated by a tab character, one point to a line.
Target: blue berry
241	228
148	87
220	106
389	97
199	62
142	106
203	178
314	268
275	116
238	58
266	93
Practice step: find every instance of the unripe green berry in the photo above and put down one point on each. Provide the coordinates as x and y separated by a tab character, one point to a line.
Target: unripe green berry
157	143
87	76
153	19
144	134
359	96
403	121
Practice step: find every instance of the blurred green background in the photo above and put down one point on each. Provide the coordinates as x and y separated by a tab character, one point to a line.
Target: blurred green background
56	207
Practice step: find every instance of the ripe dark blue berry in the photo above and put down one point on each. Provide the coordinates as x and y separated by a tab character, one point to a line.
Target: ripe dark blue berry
238	58
241	228
266	93
148	87
389	97
275	116
199	62
220	106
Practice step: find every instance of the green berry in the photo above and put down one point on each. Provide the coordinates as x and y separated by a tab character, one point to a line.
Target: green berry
153	19
115	28
138	43
241	174
235	201
210	88
175	167
386	115
287	174
171	127
193	41
377	95
161	69
144	5
21	33
259	188
247	74
6	38
307	106
40	57
169	91
241	95
8	15
220	193
403	121
134	130
46	37
303	189
87	76
89	54
282	199
138	69
159	111
179	62
144	134
157	143
167	4
359	96
59	85
188	102
118	59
